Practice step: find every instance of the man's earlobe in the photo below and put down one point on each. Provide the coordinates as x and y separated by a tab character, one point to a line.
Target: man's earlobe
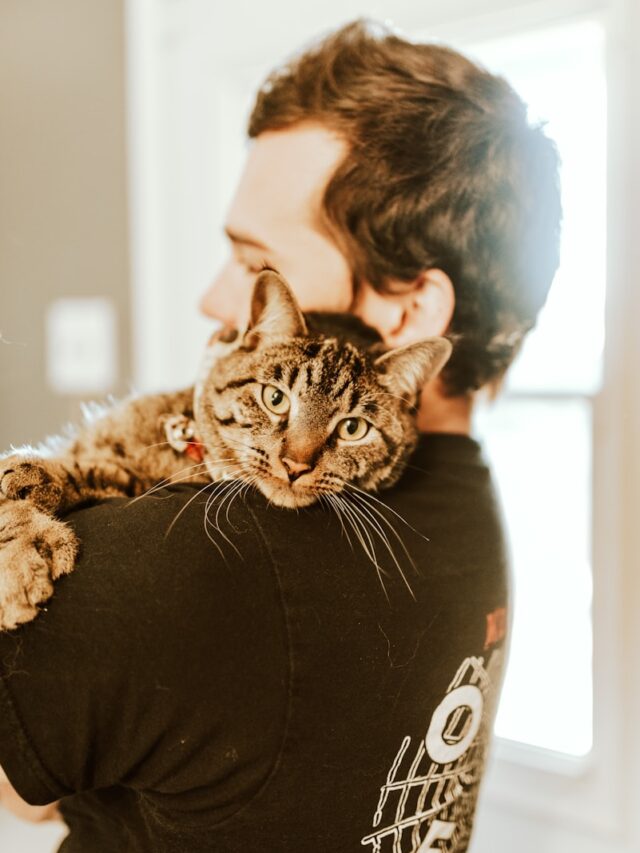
422	309
432	305
407	312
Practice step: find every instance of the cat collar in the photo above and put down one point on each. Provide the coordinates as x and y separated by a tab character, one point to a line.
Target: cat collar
181	435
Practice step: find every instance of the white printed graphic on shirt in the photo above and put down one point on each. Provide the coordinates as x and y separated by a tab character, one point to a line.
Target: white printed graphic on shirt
427	804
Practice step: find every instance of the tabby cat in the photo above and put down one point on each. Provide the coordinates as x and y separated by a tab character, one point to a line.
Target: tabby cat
301	407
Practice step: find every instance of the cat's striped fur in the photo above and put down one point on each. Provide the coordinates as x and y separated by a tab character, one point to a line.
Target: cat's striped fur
301	413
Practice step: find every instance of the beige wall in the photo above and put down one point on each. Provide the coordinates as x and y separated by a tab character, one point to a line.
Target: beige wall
63	221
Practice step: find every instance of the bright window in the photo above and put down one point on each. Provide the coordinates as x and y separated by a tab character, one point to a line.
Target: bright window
539	435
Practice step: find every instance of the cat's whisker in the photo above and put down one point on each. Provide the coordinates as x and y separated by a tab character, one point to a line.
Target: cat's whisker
360	530
352	518
386	506
363	507
228	479
206	524
244	488
173	478
191	499
226	488
246	484
235	486
199	492
230	440
385	539
157	444
368	499
365	522
167	481
220	486
250	450
415	468
332	504
228	499
364	498
386	521
215	485
390	394
223	486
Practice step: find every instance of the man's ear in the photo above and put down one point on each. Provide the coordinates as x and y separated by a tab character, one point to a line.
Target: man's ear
428	307
407	313
274	310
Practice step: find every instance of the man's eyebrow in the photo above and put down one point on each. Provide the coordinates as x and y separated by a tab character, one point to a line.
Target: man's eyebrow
245	239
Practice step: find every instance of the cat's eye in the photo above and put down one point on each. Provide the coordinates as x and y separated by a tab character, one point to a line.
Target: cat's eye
352	429
275	400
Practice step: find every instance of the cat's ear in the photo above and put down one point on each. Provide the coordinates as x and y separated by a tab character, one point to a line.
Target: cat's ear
274	310
406	369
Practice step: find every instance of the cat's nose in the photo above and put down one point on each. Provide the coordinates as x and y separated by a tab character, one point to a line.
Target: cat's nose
295	469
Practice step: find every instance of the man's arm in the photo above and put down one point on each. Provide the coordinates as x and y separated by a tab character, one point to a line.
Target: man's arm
15	804
115	663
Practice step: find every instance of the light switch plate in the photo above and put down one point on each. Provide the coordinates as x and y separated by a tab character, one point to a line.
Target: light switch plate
81	351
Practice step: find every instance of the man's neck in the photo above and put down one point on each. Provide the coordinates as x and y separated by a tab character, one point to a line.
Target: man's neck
438	413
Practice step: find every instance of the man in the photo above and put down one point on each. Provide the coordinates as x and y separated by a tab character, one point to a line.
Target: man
286	700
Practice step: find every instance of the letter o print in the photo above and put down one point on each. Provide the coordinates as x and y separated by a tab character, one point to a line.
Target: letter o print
439	750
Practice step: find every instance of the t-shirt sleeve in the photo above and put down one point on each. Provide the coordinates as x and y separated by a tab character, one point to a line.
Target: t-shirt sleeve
143	669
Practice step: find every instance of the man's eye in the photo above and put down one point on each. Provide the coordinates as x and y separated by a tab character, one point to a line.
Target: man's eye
252	269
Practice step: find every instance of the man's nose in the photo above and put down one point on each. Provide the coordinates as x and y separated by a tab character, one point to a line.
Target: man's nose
295	468
225	299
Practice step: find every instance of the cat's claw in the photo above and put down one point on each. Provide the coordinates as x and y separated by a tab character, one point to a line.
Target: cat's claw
32	480
35	549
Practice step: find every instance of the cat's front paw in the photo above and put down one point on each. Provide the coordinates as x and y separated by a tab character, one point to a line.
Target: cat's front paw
31	479
35	549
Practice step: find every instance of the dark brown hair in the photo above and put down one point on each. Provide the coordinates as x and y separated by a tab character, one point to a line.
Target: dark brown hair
443	170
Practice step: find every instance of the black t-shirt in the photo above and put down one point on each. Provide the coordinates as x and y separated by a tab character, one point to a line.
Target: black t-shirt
289	698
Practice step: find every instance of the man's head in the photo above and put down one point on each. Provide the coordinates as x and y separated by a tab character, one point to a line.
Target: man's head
402	182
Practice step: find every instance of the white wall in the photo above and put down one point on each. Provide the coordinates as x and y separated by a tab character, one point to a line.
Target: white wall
63	203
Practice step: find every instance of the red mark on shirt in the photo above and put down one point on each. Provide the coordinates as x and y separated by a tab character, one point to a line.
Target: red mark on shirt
496	627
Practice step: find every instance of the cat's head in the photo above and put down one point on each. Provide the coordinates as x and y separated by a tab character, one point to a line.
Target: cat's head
300	413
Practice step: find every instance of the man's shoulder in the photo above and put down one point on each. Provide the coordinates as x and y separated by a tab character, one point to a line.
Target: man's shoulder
174	552
214	550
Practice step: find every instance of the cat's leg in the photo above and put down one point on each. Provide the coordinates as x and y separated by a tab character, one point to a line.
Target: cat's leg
56	485
120	450
35	549
25	477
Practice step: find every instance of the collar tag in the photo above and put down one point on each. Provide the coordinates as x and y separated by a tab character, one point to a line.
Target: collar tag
181	435
195	451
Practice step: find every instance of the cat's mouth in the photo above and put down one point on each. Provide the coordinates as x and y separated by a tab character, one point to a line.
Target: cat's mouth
289	495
